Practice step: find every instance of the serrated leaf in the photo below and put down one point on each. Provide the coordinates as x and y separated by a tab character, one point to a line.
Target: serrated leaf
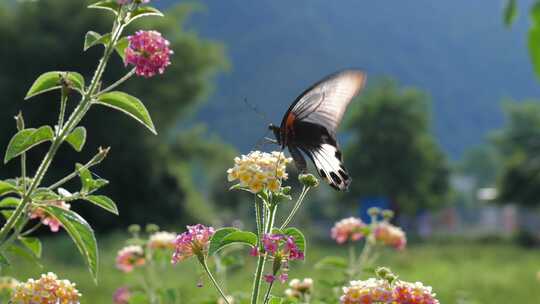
26	139
77	138
129	105
510	12
33	244
92	39
10	202
88	183
80	232
331	262
6	188
144	11
298	236
103	202
217	238
53	80
121	46
109	5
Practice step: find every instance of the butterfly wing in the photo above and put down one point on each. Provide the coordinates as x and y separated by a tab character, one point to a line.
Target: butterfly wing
311	122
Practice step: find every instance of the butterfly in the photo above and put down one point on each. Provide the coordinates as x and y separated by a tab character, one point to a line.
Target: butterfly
309	125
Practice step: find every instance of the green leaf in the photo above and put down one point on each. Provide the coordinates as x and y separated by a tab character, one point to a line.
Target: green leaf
33	244
332	262
128	104
275	300
77	138
510	12
6	188
53	80
80	232
103	202
298	236
144	11
121	46
217	238
110	5
44	194
24	253
10	202
7	213
241	237
88	183
26	139
3	261
229	236
534	38
92	39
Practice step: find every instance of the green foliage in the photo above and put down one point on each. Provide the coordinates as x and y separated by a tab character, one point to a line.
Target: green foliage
55	80
26	139
139	161
482	163
77	138
81	233
230	236
128	104
510	12
392	152
519	144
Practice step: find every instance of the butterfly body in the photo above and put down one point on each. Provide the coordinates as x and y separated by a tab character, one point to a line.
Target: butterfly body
309	125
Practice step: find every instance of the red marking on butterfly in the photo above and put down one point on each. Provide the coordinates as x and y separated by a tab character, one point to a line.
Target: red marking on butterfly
309	126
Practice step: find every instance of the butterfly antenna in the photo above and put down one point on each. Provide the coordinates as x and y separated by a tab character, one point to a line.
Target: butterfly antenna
255	109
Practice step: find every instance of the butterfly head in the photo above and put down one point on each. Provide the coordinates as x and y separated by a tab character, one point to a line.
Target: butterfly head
277	132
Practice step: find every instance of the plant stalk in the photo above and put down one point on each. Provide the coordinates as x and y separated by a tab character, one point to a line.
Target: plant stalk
296	207
202	260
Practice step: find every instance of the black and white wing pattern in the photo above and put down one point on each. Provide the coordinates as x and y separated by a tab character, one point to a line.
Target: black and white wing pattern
311	122
325	102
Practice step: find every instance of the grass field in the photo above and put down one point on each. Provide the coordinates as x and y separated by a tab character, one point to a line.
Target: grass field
494	273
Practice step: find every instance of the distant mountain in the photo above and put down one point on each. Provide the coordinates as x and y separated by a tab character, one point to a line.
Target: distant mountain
458	51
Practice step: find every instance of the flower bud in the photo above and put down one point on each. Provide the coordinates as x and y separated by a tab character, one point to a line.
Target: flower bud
20	121
134	229
374	211
308	180
383	272
387	214
152	228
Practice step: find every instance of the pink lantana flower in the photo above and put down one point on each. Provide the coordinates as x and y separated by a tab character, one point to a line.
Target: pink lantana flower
381	291
130	257
121	296
195	241
349	229
390	235
282	249
47	219
149	52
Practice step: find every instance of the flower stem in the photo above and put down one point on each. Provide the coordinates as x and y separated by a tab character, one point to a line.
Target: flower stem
267	295
296	207
352	259
72	122
202	260
118	82
262	258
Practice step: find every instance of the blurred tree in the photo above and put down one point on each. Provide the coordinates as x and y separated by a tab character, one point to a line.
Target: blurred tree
482	164
48	35
519	143
392	152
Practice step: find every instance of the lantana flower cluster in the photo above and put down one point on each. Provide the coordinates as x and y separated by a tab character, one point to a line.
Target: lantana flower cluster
259	170
381	291
195	241
349	229
47	219
130	257
122	295
162	240
149	52
46	290
390	235
282	249
299	289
